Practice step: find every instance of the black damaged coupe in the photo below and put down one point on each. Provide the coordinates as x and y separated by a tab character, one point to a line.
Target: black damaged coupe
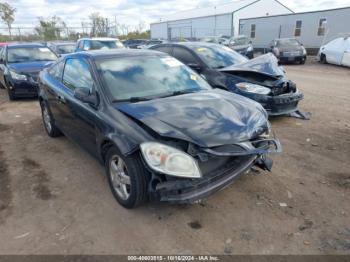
160	130
260	79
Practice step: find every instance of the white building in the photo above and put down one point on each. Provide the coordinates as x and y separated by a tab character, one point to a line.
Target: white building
214	20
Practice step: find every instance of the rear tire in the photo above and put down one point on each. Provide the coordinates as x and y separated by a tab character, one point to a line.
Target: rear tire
49	124
127	178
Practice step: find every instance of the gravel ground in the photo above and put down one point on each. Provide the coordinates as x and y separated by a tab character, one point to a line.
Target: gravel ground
54	198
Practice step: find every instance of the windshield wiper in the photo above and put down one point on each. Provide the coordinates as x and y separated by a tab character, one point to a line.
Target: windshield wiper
132	99
181	92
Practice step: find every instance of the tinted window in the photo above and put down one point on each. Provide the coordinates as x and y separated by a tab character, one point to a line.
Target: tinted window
114	44
150	76
184	56
77	74
30	54
65	49
218	56
80	45
288	43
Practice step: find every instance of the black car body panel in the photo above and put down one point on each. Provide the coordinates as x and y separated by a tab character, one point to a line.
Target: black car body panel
225	133
263	70
31	69
199	118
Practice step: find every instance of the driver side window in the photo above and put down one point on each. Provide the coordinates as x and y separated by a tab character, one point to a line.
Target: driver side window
77	74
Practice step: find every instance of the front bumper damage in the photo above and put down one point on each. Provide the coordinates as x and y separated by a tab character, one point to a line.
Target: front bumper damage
235	161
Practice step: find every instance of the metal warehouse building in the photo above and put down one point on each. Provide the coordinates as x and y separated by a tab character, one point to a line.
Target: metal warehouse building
313	29
215	20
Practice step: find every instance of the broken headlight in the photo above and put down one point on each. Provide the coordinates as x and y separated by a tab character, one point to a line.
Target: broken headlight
169	160
17	76
253	88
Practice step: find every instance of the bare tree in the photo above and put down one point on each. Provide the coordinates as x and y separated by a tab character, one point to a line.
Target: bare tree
99	25
141	27
7	14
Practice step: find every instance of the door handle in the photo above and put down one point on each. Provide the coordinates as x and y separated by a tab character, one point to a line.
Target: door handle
61	99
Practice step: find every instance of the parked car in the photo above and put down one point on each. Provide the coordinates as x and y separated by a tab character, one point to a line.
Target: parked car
288	50
86	44
20	65
61	48
242	45
134	43
161	131
336	52
213	39
260	79
149	43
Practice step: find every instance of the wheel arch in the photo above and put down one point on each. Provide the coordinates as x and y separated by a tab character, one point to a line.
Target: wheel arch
125	147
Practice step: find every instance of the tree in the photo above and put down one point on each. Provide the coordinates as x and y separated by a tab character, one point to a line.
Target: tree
7	14
99	24
50	28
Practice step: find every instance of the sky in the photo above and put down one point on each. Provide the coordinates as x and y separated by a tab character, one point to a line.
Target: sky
131	12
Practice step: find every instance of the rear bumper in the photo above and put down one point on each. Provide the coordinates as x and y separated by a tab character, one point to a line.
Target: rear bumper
189	191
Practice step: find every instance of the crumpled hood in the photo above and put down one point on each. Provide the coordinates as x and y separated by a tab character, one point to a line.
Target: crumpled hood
208	118
265	64
29	67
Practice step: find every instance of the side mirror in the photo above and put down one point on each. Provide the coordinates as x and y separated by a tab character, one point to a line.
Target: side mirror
84	95
194	66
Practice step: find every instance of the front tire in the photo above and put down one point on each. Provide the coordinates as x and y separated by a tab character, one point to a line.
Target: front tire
127	178
11	95
323	59
49	124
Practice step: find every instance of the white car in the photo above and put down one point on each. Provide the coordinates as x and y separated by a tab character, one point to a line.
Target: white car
336	52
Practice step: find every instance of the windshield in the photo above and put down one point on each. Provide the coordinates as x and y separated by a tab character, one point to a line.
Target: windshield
240	41
148	77
98	44
30	54
65	49
288	42
218	56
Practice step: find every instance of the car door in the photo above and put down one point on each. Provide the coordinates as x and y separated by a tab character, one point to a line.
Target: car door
346	55
79	118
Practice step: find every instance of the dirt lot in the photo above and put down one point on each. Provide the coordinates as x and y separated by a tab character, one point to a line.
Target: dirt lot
54	198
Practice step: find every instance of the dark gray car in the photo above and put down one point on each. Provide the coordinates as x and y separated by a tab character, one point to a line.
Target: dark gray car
288	50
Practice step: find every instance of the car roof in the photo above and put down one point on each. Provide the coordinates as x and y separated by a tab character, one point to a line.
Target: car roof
100	39
26	45
191	44
61	43
102	54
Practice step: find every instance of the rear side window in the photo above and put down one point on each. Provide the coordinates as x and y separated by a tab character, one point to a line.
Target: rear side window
77	74
184	56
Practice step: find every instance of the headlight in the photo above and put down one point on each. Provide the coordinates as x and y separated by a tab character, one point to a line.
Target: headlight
250	48
169	160
304	50
252	88
16	76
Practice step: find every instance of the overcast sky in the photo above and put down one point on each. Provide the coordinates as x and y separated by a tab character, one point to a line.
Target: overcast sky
132	11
